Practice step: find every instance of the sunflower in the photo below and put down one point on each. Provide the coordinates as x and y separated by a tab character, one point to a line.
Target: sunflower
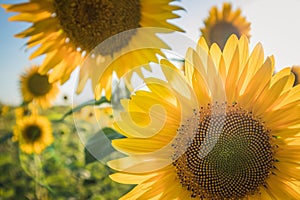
37	88
68	31
226	129
27	110
4	109
33	133
296	72
20	112
221	24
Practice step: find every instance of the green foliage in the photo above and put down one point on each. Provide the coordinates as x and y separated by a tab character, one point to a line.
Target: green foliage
61	171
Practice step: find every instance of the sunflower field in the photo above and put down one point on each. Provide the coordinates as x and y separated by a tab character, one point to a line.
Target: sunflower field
62	171
149	99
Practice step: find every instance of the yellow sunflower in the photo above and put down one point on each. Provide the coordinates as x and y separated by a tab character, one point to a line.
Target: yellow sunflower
4	109
37	88
20	112
67	31
296	72
27	110
227	129
222	23
34	133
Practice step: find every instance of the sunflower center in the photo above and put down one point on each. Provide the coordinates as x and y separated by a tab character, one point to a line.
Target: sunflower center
87	23
221	31
39	85
230	156
32	133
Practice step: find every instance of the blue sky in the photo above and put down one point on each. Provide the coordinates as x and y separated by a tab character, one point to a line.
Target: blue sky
275	24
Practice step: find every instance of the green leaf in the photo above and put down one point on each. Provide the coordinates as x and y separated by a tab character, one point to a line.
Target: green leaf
98	147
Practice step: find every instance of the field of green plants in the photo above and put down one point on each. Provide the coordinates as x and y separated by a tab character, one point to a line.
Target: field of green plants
61	171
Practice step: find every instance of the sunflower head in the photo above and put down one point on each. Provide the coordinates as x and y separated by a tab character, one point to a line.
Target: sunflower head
67	31
238	139
233	162
220	24
4	109
88	23
36	88
34	133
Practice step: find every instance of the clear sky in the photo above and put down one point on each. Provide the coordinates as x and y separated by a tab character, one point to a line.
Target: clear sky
275	23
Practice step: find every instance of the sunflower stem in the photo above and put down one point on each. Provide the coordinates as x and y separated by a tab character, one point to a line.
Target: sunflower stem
80	106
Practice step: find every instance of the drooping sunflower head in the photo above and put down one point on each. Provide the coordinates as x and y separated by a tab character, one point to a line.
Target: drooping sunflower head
36	88
232	134
222	23
296	72
34	133
67	31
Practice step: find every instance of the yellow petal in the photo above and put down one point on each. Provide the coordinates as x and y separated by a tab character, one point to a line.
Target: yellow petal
139	164
141	146
254	63
255	87
131	178
229	49
243	46
215	53
232	77
282	190
283	117
269	95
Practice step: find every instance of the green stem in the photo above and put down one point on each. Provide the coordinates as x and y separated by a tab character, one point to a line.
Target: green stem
80	106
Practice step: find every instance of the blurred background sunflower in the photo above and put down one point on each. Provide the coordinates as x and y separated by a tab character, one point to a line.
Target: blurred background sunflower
37	88
220	24
33	133
235	139
4	109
